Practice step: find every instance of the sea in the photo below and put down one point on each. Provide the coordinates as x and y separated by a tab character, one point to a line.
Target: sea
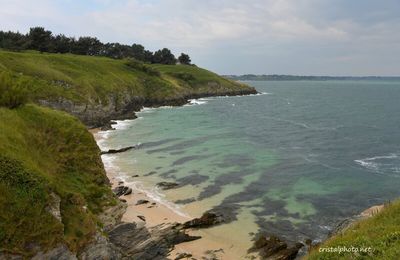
294	160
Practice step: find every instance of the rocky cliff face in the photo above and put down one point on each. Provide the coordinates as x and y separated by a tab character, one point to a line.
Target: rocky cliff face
99	114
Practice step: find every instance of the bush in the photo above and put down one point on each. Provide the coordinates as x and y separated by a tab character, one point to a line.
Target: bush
183	76
137	65
13	93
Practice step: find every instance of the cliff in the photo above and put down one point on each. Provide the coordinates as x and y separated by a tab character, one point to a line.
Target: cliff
97	89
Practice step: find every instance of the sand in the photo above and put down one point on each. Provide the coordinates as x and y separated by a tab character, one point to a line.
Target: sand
211	246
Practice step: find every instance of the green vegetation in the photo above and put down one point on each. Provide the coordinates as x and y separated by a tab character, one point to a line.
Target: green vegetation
45	152
380	233
12	94
86	79
48	156
43	40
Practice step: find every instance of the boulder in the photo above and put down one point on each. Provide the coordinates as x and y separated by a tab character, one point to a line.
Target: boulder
145	244
122	190
140	202
208	219
272	247
183	255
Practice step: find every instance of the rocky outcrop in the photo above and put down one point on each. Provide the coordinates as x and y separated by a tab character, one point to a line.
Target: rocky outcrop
272	247
100	248
111	216
141	202
122	190
141	243
208	219
346	223
112	151
54	206
124	105
60	253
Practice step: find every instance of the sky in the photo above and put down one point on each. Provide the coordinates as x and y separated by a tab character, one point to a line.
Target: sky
298	37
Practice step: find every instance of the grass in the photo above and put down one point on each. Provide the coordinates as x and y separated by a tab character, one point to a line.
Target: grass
381	233
41	152
86	79
45	152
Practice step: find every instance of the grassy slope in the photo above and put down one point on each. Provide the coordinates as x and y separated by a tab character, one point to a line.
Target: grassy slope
92	79
41	152
381	233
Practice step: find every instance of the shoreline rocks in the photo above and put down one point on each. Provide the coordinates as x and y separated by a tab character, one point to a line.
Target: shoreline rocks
272	247
208	219
122	190
112	151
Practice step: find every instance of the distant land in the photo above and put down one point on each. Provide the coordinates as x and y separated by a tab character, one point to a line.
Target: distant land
296	77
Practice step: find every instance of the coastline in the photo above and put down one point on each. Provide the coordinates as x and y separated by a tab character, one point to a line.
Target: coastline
210	246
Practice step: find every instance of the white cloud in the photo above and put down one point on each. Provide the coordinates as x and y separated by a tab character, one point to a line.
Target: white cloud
211	30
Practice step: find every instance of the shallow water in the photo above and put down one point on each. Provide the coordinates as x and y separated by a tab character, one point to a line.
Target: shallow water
292	161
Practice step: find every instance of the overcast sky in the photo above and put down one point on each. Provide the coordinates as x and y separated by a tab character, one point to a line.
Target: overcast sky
304	37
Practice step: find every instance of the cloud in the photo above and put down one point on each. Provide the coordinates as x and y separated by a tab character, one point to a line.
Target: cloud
259	33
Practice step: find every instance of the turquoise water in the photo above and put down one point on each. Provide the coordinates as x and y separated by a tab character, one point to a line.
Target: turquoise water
293	161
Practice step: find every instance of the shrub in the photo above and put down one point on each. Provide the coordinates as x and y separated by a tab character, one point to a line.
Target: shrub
137	65
183	76
13	93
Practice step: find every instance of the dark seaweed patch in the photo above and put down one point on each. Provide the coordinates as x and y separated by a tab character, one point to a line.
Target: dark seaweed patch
189	158
157	143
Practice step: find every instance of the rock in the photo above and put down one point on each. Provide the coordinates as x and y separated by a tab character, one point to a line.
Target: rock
112	151
59	253
183	255
167	185
272	247
54	206
288	253
135	176
111	216
120	182
100	248
113	122
107	127
372	211
128	191
346	223
143	218
123	200
206	220
140	202
122	190
145	244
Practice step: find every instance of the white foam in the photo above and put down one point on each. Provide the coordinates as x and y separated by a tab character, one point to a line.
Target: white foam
154	194
199	101
123	124
379	164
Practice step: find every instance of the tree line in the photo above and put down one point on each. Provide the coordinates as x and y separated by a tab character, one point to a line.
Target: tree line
43	40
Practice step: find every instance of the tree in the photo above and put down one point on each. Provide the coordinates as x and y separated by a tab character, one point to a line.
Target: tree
61	44
184	59
164	56
87	46
39	39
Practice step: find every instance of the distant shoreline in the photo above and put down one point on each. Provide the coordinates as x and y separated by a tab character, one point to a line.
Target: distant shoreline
253	77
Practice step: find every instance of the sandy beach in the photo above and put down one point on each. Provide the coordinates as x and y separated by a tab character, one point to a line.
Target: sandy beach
211	246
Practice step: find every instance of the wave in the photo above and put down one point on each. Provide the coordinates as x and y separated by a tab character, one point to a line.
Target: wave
200	101
383	164
155	194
